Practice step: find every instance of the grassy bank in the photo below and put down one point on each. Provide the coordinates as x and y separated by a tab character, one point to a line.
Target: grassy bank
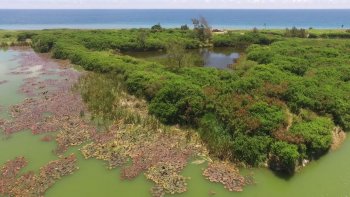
279	105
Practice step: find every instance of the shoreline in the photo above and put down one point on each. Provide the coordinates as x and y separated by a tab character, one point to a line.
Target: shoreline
91	27
153	148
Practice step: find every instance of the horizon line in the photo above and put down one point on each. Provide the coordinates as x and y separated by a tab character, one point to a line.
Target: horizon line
174	8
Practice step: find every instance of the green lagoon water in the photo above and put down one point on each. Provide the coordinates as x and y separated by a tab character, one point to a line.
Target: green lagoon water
329	176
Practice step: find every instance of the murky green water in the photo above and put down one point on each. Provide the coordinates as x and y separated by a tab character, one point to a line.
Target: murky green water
329	176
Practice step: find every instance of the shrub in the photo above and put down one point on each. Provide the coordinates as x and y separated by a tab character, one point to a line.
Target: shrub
23	36
43	43
296	66
251	149
284	157
144	83
262	55
270	117
7	35
312	35
156	27
342	35
184	27
317	134
178	102
295	32
242	40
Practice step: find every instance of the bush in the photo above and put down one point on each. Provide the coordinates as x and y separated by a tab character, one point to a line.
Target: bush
23	36
43	43
296	66
345	35
145	84
7	35
284	157
251	149
178	102
317	134
295	32
312	35
242	40
156	27
184	27
270	117
262	55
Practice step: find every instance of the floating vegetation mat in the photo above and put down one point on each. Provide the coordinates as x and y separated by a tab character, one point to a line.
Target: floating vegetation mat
51	105
133	140
12	183
228	175
161	155
167	179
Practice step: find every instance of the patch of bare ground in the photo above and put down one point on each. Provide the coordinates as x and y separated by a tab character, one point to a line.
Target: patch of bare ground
339	137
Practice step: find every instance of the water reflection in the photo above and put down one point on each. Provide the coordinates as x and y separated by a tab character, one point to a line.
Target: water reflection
218	58
221	58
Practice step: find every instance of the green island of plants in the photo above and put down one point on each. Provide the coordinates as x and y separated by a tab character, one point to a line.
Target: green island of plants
278	106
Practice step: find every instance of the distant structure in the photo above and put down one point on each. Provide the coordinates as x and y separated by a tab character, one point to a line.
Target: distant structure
217	30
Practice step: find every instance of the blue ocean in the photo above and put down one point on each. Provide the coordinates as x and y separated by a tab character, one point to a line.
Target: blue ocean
224	19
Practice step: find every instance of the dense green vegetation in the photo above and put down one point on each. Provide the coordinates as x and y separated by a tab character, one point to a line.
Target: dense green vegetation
279	105
244	39
284	156
8	38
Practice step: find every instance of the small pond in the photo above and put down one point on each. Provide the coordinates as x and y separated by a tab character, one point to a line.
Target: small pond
221	58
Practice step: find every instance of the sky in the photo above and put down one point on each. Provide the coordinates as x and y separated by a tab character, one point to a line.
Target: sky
175	4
